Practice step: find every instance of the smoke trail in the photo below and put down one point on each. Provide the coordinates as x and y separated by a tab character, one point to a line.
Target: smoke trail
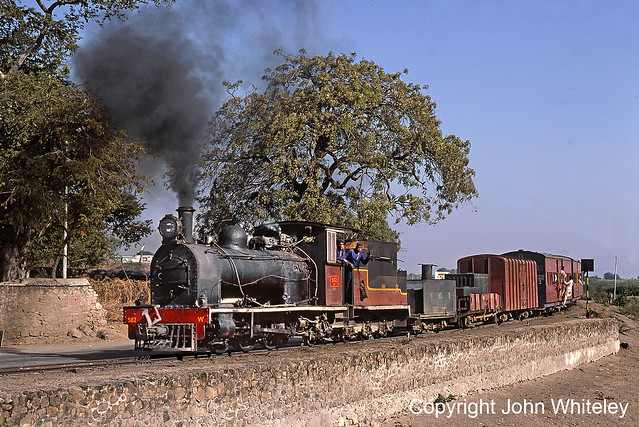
147	85
159	73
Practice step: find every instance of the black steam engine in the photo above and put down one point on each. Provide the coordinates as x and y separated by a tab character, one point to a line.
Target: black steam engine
286	280
283	281
186	274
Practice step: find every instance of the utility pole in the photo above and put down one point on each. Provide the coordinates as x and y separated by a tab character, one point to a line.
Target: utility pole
65	249
614	295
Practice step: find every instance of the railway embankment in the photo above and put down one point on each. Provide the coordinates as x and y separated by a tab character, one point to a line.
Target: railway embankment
344	384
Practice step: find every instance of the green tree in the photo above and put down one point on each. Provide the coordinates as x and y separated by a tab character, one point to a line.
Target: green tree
333	140
41	37
91	244
63	165
61	162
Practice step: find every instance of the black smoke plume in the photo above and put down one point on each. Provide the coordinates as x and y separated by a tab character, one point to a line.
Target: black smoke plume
159	73
147	86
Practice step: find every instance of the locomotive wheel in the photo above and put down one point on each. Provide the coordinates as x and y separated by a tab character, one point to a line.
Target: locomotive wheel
309	339
272	342
338	337
364	335
244	344
219	348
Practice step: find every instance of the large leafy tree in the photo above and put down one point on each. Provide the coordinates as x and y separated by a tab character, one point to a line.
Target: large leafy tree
40	35
63	165
333	140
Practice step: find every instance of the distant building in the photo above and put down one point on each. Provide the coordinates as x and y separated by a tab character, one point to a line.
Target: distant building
439	275
140	257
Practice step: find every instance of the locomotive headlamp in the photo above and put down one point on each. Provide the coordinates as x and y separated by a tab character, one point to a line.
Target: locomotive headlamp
170	227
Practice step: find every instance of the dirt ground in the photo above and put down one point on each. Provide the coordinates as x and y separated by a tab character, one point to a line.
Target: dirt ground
111	332
611	383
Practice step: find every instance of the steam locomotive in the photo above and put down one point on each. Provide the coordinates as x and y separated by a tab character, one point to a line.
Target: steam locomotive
285	280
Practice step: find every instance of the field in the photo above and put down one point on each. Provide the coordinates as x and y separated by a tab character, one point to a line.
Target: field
627	300
630	287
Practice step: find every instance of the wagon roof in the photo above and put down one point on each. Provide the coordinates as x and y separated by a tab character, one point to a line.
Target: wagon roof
544	254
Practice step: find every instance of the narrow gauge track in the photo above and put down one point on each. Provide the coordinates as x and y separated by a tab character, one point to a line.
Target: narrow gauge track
69	366
164	356
157	356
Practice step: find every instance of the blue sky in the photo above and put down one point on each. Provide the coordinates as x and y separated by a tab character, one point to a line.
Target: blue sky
547	92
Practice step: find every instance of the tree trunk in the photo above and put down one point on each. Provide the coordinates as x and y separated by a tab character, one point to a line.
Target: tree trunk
13	254
58	258
13	265
54	267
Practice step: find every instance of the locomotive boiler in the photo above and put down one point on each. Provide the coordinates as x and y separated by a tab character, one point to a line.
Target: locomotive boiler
188	274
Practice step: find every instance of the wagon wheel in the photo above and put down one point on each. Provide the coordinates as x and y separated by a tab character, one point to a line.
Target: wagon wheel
463	322
366	333
244	344
381	331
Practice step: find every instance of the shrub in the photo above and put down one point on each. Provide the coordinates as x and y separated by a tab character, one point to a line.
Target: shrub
114	293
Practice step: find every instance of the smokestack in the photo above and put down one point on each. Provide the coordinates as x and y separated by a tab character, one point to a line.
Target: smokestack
185	213
427	271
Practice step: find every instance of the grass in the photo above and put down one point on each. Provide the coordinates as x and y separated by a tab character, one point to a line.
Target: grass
630	308
114	293
631	287
441	399
623	326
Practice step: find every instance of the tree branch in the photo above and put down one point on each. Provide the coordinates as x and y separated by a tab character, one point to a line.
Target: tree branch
48	11
36	45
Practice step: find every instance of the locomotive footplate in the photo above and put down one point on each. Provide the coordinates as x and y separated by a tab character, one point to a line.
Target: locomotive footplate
278	309
154	327
220	328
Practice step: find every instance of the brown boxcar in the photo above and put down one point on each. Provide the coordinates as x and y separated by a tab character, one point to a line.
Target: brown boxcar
489	303
514	279
551	286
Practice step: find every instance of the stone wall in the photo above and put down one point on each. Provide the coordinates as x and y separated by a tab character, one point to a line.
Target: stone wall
358	384
42	310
